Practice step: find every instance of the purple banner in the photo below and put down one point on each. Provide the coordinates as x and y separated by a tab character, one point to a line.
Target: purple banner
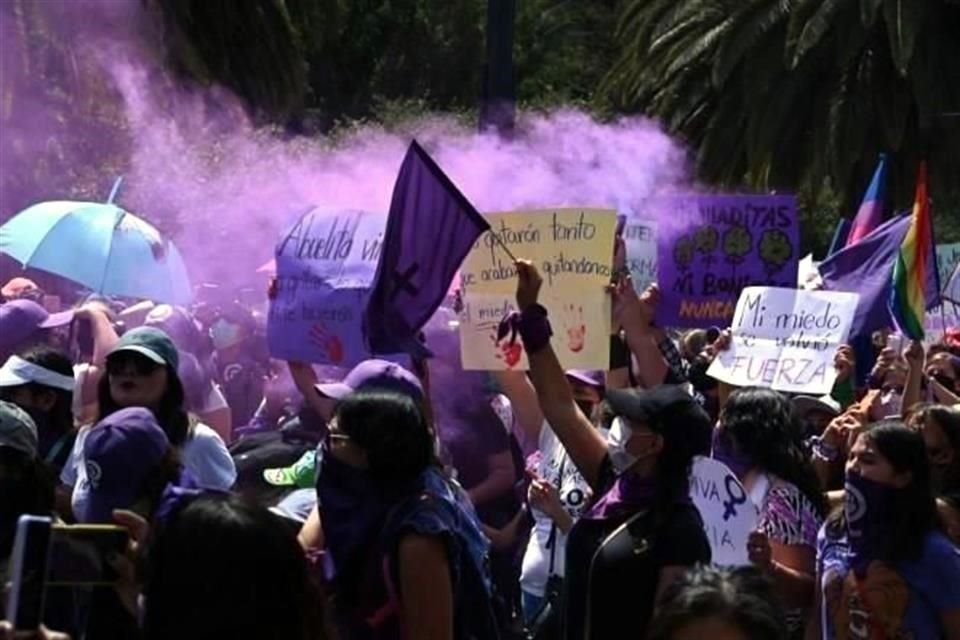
709	248
325	264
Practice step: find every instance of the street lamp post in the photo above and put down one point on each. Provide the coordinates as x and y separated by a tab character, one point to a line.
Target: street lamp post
498	102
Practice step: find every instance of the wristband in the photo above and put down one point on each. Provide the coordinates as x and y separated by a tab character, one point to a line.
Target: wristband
531	324
824	451
619	352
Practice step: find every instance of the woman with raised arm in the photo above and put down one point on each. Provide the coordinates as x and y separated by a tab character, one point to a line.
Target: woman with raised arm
642	532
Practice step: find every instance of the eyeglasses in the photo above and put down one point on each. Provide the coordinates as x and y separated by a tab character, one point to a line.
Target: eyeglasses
131	365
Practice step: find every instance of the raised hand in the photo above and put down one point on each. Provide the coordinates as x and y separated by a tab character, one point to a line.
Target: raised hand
529	282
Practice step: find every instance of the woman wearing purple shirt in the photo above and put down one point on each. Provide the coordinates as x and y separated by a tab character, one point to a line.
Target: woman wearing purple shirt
884	568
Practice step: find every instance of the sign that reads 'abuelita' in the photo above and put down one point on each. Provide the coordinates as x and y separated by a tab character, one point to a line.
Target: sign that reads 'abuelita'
711	247
325	263
785	339
573	250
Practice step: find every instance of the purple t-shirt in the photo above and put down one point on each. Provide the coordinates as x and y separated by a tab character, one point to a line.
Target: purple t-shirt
905	600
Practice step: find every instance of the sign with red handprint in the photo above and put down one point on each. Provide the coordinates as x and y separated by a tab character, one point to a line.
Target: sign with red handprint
325	263
573	250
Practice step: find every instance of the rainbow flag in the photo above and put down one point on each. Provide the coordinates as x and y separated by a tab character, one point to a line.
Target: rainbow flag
908	300
870	214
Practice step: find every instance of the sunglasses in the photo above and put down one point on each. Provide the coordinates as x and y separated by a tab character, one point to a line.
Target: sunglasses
131	364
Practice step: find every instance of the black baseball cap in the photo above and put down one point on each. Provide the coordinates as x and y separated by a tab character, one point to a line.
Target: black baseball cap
668	410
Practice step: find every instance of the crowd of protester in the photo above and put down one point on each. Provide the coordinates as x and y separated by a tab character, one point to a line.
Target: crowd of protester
413	499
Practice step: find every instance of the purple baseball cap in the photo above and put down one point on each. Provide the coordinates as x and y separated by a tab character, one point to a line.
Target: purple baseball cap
591	377
20	319
379	374
119	452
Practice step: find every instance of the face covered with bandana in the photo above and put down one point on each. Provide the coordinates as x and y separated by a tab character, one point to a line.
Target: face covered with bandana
349	502
871	488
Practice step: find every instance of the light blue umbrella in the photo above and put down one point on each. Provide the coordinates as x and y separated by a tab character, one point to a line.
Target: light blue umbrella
99	246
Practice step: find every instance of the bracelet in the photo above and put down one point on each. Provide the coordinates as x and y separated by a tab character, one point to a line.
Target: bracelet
534	328
824	451
531	324
619	352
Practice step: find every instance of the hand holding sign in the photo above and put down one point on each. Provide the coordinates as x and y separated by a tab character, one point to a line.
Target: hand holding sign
528	284
786	339
759	551
566	268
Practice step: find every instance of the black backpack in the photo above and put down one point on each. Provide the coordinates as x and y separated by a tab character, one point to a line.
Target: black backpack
268	450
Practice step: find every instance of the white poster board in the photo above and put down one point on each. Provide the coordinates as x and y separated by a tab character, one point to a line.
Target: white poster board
729	516
640	240
786	339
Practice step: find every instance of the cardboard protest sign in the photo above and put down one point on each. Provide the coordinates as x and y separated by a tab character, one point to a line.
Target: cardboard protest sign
729	516
948	266
711	247
948	256
640	238
786	339
573	249
325	263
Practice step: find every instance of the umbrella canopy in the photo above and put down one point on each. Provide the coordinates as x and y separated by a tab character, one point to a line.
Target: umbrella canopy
99	246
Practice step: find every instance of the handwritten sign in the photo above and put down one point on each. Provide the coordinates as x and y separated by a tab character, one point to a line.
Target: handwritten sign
786	339
709	248
948	256
573	249
729	516
640	238
325	263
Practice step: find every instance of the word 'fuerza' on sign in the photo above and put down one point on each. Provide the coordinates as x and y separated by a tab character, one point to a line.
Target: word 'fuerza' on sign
786	339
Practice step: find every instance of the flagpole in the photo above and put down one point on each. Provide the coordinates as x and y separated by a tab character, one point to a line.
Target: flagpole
503	246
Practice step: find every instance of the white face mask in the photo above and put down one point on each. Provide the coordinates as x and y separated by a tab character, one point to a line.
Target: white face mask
617	439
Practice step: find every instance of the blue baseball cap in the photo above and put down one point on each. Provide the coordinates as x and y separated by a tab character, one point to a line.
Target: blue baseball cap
151	343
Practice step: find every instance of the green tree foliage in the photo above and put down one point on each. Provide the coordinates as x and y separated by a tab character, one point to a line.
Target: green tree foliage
800	94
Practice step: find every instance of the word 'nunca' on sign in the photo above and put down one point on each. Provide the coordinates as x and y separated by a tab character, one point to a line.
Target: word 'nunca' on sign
707	309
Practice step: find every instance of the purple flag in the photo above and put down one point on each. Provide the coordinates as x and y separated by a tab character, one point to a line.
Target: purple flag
866	268
430	229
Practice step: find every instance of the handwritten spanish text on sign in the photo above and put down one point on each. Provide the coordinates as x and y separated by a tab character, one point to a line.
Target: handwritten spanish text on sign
573	249
640	238
325	264
786	339
709	248
729	516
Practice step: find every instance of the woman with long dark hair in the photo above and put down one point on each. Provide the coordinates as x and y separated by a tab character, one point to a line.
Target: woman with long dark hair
217	567
141	371
940	427
757	438
642	532
884	568
720	604
408	556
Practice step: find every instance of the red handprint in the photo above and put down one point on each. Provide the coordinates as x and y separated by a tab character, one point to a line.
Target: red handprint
576	328
330	344
508	350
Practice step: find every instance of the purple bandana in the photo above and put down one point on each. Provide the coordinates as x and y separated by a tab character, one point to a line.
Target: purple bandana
629	494
866	506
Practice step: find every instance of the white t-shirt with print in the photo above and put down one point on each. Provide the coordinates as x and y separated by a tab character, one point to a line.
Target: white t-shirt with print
574	494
